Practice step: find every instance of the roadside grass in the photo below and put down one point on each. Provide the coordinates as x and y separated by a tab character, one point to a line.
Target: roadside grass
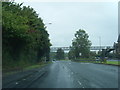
89	61
9	73
64	60
25	68
113	62
94	61
39	65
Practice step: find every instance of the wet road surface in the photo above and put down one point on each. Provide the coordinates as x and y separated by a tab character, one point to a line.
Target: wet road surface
67	74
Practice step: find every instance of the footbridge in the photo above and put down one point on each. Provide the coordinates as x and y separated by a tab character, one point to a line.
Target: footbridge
94	48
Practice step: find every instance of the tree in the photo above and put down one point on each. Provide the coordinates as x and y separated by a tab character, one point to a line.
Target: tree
60	54
93	54
71	54
80	45
24	35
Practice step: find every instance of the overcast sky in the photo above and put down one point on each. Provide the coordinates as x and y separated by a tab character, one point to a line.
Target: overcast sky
98	19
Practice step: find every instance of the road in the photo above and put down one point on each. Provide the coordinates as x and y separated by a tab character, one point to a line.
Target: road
68	74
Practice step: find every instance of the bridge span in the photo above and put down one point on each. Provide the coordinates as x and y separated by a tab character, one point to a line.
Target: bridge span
94	48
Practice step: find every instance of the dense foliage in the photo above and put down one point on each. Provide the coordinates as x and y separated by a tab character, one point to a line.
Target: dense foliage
52	55
0	14
25	39
80	46
60	54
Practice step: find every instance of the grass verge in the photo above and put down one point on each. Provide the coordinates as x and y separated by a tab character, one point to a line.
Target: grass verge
113	62
93	61
30	67
37	65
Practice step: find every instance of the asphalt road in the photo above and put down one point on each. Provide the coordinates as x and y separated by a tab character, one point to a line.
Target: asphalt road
67	74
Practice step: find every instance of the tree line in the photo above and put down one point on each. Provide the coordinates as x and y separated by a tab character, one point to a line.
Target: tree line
24	36
80	47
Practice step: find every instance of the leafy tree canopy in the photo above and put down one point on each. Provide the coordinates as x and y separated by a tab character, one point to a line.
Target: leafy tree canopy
80	45
60	54
24	33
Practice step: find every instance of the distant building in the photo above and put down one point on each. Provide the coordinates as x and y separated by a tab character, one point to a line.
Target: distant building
117	47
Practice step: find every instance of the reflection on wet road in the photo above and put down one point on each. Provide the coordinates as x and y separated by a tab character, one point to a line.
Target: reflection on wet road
67	74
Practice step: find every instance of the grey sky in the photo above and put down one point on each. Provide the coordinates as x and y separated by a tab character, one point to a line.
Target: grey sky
98	19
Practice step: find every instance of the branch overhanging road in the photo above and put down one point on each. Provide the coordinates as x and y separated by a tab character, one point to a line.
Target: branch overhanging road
67	74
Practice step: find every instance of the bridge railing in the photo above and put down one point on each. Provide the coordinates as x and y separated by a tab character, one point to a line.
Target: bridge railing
54	49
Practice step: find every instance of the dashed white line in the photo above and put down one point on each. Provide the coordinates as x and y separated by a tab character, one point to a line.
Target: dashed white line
79	82
16	83
24	79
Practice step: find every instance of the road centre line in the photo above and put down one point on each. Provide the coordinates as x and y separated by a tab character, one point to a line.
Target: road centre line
79	82
24	79
16	83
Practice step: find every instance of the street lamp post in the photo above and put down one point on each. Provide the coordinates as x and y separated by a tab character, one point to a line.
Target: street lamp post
100	42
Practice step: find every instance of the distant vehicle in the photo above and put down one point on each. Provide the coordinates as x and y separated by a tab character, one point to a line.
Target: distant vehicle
97	58
54	60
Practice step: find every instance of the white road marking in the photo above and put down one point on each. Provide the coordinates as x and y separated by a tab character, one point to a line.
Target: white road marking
79	82
24	79
16	83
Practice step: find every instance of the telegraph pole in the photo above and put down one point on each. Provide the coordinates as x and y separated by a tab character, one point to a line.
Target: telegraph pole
100	42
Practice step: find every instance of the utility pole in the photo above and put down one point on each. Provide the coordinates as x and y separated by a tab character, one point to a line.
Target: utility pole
100	42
